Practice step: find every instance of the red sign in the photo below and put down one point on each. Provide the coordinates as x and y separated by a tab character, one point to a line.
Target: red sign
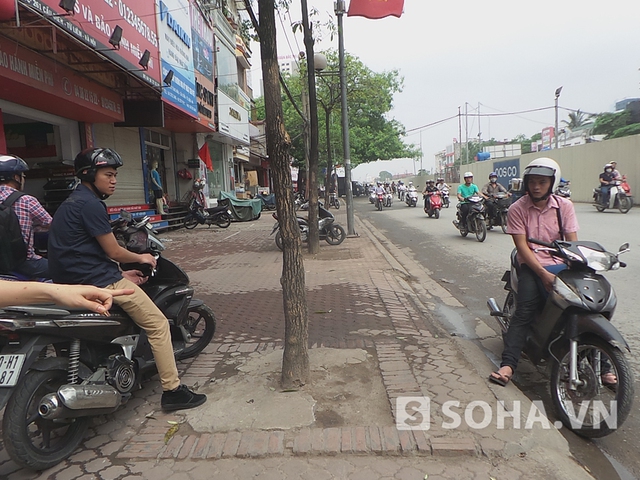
94	21
59	89
375	9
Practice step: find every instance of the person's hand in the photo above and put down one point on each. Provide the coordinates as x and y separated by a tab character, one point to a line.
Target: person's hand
148	259
135	276
98	300
547	280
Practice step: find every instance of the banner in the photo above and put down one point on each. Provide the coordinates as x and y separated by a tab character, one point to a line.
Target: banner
204	155
375	9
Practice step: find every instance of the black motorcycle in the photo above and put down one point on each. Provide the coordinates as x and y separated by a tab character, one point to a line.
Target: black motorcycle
198	215
475	221
501	203
60	367
328	228
591	383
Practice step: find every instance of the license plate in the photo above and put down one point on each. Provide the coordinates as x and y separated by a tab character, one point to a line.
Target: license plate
10	366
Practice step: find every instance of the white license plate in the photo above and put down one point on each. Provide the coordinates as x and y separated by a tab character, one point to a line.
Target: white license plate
10	366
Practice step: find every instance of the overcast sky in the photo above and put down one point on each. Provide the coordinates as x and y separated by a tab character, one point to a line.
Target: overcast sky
503	56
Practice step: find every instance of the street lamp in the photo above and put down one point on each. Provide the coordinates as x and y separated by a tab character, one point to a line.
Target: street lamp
555	132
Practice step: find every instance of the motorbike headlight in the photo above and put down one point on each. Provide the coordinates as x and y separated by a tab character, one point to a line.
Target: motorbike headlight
563	290
598	261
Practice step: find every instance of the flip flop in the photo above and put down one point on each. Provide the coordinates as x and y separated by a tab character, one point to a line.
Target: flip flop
609	379
499	379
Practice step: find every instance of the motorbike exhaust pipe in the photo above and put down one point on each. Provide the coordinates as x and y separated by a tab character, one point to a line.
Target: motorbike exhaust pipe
79	401
494	309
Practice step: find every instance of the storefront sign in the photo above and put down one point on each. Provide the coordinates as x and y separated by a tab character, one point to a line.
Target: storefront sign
233	119
174	30
47	86
203	62
94	22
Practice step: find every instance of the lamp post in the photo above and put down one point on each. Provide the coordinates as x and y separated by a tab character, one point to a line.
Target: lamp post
340	9
555	132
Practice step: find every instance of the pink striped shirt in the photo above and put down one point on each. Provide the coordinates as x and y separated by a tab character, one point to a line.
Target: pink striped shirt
524	218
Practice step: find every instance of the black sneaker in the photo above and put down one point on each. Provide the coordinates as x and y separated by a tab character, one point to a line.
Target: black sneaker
181	398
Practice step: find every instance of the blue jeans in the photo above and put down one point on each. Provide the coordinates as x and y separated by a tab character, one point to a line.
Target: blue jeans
530	300
34	268
605	189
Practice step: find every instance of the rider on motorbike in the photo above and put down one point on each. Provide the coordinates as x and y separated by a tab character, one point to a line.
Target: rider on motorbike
428	188
83	250
606	181
489	192
548	218
466	190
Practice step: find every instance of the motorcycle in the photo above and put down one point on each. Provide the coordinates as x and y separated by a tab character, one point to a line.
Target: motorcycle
198	215
379	203
334	201
619	197
445	197
563	189
388	198
411	197
501	203
59	368
433	204
475	222
328	228
574	335
268	201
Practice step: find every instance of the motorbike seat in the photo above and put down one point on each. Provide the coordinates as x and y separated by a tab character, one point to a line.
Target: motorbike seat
514	260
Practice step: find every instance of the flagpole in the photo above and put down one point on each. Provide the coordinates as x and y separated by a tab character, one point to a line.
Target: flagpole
340	10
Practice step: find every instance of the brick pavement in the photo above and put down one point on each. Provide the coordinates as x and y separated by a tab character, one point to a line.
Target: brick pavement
356	299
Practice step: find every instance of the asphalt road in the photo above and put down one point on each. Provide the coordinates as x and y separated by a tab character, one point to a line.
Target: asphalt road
471	272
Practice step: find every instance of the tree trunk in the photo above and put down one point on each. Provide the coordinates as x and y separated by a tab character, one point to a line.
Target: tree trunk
295	362
314	241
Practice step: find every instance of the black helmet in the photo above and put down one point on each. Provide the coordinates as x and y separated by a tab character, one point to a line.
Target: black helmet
10	165
88	161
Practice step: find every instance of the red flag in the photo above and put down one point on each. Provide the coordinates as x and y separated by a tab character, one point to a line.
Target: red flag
375	9
203	153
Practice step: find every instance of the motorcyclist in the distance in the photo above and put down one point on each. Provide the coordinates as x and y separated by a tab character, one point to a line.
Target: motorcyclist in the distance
428	188
490	191
466	190
606	181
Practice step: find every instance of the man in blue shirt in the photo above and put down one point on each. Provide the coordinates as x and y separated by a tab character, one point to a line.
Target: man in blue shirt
83	250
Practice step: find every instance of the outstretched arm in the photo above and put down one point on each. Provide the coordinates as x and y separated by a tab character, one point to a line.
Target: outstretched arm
96	299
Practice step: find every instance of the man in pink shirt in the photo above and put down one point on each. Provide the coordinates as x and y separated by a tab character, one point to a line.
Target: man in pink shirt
542	216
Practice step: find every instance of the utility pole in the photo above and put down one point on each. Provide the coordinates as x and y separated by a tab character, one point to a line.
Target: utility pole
466	129
340	9
555	132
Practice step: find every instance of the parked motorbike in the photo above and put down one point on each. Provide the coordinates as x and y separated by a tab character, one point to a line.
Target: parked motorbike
433	204
198	215
59	368
619	197
328	228
574	334
475	222
501	202
334	201
379	200
411	197
268	201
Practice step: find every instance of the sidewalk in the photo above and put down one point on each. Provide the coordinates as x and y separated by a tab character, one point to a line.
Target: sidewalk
373	343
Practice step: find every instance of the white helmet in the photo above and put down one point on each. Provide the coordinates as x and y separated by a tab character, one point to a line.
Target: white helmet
410	183
545	167
468	174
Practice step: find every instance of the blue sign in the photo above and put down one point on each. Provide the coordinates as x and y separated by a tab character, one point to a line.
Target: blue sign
506	171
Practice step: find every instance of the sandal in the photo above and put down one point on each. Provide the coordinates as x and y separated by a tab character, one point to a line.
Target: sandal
501	379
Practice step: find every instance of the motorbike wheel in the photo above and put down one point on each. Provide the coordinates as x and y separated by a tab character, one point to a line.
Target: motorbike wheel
30	440
481	229
379	205
337	204
335	235
463	231
624	204
279	240
201	325
503	222
190	222
436	213
223	221
593	354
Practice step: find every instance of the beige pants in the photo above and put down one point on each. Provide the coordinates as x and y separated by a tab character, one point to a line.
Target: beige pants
148	316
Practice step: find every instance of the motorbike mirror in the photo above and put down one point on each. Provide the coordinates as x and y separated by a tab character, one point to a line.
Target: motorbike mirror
126	215
624	248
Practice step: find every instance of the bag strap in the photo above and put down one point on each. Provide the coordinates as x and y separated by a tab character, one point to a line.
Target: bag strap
11	199
559	219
